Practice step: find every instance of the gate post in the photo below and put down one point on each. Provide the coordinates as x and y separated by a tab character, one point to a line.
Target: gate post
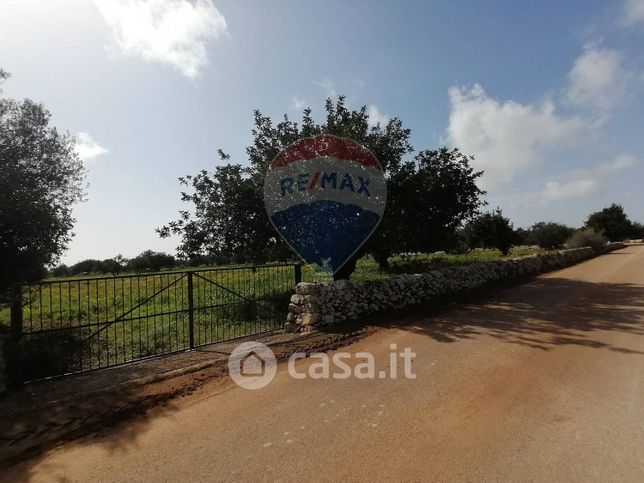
191	312
298	273
16	312
11	355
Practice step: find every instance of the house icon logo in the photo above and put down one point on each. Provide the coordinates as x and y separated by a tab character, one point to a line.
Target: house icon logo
252	365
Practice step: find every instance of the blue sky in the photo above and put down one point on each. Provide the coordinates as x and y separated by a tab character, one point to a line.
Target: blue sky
546	95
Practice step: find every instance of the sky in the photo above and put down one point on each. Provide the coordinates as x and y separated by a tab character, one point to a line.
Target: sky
547	96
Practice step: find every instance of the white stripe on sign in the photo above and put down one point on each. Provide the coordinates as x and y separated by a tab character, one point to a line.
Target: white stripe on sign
325	178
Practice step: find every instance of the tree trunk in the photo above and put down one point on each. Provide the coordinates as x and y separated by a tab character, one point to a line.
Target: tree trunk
382	259
347	269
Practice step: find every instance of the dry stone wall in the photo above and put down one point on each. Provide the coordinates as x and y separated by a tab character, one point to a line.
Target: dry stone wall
326	303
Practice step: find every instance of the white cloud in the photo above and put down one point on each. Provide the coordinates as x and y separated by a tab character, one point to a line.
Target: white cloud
555	190
87	148
327	85
583	182
297	103
610	167
506	137
597	79
173	32
633	12
620	163
375	116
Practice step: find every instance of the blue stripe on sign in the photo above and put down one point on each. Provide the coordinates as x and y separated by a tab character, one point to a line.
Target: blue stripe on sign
325	231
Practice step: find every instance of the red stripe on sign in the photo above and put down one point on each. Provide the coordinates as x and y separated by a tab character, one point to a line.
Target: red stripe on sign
326	145
314	180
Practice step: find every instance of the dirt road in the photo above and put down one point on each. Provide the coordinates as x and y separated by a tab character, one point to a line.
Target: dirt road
545	381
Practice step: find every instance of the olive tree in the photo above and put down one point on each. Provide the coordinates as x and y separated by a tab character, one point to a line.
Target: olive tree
41	178
430	193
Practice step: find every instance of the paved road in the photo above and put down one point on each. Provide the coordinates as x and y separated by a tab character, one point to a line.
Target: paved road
544	382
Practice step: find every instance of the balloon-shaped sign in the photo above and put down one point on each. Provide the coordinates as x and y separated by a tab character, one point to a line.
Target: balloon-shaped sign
325	196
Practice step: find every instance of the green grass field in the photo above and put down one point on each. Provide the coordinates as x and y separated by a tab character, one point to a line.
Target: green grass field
76	324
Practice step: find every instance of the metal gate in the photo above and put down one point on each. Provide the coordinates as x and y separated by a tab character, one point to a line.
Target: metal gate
81	324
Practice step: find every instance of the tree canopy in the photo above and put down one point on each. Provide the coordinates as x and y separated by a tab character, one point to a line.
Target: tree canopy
548	235
41	178
148	260
430	193
490	230
612	222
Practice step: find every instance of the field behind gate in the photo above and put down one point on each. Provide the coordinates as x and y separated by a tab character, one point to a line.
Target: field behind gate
77	325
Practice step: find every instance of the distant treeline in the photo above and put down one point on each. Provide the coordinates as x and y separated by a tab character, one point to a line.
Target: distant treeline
147	261
490	230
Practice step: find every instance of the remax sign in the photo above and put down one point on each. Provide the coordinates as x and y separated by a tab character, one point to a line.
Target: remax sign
325	196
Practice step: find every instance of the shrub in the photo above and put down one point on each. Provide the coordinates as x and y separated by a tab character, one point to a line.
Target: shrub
637	231
587	237
612	222
548	235
490	230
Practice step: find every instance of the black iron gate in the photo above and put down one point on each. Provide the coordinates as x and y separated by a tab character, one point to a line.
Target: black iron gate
81	324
